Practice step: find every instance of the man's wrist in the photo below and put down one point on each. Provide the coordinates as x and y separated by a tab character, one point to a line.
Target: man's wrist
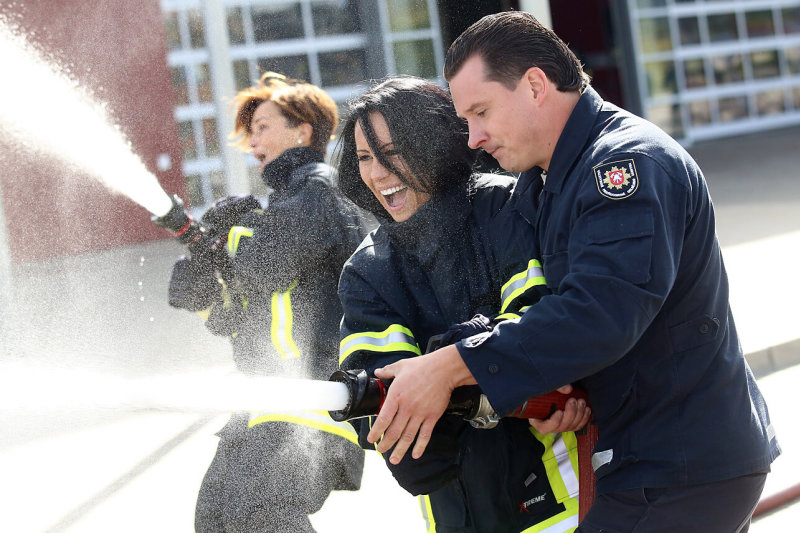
457	372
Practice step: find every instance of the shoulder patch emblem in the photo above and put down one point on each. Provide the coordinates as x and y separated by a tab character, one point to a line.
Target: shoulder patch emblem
616	180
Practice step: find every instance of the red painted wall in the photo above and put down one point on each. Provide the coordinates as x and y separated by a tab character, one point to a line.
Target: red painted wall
118	51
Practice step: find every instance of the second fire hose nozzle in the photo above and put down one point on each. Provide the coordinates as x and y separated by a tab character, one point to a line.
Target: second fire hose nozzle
180	223
366	396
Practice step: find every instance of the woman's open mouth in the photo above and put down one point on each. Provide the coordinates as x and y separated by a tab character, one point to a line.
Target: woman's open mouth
395	196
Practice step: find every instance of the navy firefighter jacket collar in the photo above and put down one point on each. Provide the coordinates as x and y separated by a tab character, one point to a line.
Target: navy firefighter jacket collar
276	173
571	142
442	219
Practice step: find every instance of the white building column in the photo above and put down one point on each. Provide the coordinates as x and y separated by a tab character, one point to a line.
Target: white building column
539	9
224	88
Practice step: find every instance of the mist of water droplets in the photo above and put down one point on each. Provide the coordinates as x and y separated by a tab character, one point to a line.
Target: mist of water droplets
43	109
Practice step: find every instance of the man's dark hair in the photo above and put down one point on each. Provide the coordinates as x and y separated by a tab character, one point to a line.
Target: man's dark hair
512	42
425	131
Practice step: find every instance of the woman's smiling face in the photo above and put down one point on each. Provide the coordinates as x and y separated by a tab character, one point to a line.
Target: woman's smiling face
399	200
270	133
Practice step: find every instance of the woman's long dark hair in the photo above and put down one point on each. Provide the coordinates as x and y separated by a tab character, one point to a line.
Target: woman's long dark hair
425	131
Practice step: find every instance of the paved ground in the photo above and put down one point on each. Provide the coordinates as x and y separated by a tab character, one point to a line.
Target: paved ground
78	452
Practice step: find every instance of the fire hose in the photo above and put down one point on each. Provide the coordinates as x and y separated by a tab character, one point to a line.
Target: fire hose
366	396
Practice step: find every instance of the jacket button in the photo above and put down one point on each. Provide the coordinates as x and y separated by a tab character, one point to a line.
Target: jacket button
704	328
494	369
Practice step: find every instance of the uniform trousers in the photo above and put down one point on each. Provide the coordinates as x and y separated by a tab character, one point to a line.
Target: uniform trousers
720	507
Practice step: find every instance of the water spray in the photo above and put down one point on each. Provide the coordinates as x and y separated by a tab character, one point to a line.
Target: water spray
69	125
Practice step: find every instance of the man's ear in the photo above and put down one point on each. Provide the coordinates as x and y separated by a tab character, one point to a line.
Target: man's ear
537	81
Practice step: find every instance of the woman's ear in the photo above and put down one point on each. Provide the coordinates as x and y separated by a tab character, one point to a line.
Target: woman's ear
305	132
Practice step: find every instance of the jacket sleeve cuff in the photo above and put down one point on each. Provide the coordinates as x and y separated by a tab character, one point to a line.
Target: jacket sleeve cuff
506	380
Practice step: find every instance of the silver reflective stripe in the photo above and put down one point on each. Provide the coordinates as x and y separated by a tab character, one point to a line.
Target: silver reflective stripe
770	432
427	513
519	283
565	467
564	526
393	338
601	458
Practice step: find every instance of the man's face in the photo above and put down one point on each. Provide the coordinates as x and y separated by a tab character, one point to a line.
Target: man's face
501	121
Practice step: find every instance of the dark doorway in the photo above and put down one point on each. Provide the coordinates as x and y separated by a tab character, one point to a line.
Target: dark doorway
593	31
457	15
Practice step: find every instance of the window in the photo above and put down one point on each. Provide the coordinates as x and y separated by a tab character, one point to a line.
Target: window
661	78
655	35
186	136
180	87
791	20
274	22
728	69
343	68
793	60
668	117
290	66
236	33
202	75
405	15
700	112
211	137
732	108
241	74
695	73
722	27
415	58
759	23
172	31
197	32
765	64
335	17
689	28
194	187
770	102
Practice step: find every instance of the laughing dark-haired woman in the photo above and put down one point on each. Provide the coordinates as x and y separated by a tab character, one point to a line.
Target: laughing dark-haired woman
442	254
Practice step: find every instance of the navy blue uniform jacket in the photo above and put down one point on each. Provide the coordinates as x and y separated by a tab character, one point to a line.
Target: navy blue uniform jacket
639	309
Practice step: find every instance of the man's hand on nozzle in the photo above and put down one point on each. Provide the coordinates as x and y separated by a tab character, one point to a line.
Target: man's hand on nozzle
575	416
419	394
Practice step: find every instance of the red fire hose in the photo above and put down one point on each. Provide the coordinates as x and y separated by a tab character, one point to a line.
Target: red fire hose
778	499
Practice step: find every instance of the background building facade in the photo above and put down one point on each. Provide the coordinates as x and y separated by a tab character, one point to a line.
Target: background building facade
700	69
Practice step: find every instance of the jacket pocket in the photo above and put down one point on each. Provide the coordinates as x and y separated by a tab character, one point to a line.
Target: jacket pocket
694	333
620	244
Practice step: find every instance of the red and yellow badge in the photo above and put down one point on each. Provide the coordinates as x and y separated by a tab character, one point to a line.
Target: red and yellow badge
616	180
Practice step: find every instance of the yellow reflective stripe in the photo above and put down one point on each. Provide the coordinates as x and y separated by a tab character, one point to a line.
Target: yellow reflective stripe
519	283
427	512
560	459
234	235
314	419
282	321
205	313
395	338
